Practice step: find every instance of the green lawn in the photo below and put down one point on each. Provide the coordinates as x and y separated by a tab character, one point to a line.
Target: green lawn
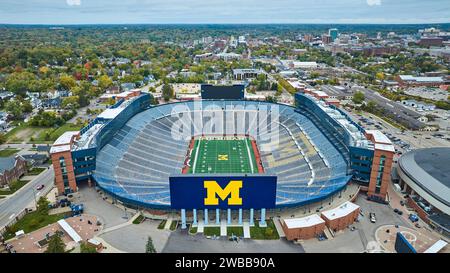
33	134
23	133
31	222
138	220
51	134
8	152
173	225
162	224
36	171
193	230
14	186
210	231
237	231
267	233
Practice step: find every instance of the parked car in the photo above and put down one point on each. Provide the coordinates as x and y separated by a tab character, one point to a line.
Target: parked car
373	218
417	225
396	210
402	203
413	217
40	187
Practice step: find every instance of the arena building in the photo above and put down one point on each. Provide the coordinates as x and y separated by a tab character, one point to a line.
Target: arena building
425	176
154	157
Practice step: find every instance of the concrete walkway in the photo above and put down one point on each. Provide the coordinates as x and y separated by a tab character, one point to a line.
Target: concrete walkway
280	230
223	228
246	228
168	223
200	226
129	222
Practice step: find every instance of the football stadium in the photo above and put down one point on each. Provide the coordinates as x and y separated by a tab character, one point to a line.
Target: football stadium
161	157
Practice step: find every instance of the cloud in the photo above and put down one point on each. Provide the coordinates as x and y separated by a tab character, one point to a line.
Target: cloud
73	2
373	2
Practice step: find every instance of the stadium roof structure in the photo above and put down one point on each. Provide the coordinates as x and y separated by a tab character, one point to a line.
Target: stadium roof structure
429	169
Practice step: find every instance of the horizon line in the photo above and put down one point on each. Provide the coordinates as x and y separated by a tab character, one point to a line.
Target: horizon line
134	24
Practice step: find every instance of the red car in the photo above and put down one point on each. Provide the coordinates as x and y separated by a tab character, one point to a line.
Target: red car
40	187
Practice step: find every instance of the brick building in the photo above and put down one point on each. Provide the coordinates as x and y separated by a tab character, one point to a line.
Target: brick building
341	217
11	168
303	228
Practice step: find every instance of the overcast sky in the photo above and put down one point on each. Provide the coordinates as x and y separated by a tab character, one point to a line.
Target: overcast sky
223	11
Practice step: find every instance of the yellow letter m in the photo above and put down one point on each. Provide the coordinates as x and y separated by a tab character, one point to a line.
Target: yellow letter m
213	189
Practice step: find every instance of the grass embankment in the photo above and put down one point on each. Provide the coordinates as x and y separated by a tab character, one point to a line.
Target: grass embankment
8	152
33	134
173	225
162	224
31	222
35	171
14	186
139	219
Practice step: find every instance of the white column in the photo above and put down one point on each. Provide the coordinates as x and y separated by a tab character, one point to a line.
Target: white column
251	216
240	216
217	216
206	216
262	222
194	214
183	218
229	216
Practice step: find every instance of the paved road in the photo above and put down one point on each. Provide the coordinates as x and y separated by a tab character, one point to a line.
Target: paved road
13	205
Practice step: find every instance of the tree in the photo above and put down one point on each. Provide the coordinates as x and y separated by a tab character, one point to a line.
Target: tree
167	92
70	102
42	204
149	248
87	248
19	83
67	82
14	108
370	107
104	82
56	245
380	76
358	97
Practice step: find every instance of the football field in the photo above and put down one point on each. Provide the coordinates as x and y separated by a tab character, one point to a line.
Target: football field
223	155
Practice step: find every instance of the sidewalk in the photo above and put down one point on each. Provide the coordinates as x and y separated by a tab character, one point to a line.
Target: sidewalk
280	230
223	228
129	222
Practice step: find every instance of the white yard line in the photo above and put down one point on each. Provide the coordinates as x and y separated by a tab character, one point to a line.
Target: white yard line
196	155
249	156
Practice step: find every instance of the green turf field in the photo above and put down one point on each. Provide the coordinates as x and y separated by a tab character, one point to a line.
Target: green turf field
223	156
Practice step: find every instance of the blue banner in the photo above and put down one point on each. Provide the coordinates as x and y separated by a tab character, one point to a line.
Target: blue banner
224	192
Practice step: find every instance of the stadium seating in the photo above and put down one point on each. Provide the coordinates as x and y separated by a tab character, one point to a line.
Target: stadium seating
138	161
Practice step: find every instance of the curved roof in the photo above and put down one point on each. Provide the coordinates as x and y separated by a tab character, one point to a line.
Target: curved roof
429	168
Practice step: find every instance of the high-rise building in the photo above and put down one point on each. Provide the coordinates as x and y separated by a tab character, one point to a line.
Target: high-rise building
333	33
326	39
